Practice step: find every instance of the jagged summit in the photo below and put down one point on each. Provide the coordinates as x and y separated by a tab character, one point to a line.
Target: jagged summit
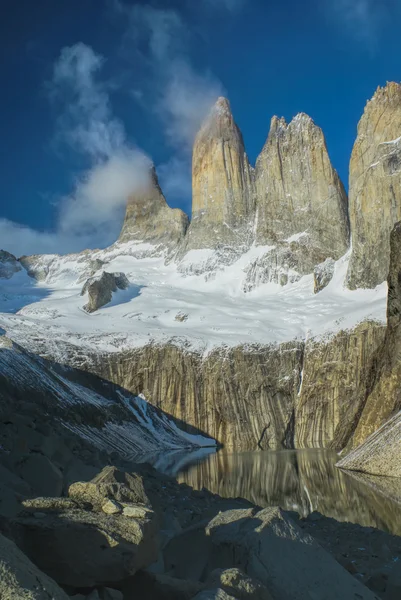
299	192
222	186
301	118
148	217
374	184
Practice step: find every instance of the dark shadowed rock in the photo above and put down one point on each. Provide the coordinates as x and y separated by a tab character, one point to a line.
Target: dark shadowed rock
21	580
9	265
81	548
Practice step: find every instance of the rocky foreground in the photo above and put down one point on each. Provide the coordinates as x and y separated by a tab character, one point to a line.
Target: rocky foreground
80	519
139	534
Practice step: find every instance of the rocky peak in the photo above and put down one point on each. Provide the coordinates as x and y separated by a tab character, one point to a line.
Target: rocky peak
375	183
299	194
148	217
222	198
8	265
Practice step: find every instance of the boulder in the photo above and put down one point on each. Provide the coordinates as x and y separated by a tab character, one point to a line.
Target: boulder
323	274
120	486
271	549
100	289
21	580
238	584
111	507
80	548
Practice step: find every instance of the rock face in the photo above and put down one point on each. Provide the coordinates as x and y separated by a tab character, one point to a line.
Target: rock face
8	265
299	195
222	191
383	394
323	274
249	398
21	579
380	453
100	289
375	183
148	217
335	376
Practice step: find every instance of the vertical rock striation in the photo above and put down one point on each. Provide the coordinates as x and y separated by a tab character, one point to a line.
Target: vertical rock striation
300	198
383	398
375	187
148	217
222	190
334	386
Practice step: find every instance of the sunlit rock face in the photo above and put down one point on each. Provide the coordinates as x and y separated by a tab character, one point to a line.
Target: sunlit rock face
383	398
222	190
300	198
148	217
375	187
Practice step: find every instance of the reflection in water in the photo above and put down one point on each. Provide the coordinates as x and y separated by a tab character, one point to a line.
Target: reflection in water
300	480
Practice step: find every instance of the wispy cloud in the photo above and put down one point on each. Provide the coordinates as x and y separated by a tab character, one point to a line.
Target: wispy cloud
362	19
176	92
92	214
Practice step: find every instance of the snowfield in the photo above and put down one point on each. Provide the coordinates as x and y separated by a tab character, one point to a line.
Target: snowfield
196	303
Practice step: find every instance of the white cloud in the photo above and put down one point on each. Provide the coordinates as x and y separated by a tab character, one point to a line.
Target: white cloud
186	100
86	120
178	94
92	214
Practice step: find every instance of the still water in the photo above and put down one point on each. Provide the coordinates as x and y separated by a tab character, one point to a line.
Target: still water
299	480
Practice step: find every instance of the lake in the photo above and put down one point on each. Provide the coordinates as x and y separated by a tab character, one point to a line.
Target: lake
297	480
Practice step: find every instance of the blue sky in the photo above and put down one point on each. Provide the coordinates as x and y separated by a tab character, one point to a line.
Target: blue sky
92	89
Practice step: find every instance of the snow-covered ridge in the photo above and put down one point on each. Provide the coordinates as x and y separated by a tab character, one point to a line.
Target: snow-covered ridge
199	307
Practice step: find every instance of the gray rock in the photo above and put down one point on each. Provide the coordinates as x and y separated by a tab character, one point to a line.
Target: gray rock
21	580
100	289
148	217
111	507
393	590
49	504
323	274
269	547
380	453
41	474
237	583
80	548
137	512
112	483
9	265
